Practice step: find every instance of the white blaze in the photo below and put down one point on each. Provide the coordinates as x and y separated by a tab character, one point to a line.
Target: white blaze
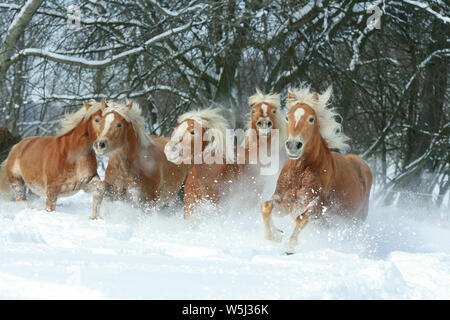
108	120
264	107
298	115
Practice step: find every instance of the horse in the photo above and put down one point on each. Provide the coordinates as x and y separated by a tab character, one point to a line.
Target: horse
264	120
57	165
138	170
316	180
199	140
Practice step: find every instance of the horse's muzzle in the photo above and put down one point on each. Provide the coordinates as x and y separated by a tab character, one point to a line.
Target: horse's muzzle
101	147
294	148
264	127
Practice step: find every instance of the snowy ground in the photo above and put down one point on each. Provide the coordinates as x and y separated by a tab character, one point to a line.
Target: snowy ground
395	255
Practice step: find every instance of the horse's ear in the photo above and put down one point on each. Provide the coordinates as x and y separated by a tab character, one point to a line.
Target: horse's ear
87	105
130	104
291	96
103	104
315	96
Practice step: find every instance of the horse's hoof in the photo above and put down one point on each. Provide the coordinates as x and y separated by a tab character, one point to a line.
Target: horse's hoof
289	253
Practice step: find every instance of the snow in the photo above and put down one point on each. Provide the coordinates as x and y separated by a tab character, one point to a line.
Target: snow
222	254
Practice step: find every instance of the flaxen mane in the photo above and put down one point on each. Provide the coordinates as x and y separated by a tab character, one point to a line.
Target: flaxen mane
72	120
211	119
133	116
329	128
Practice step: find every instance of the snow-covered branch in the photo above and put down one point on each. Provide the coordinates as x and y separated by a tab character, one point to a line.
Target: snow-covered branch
427	7
97	64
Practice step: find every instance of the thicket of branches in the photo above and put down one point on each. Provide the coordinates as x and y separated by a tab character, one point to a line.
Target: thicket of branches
390	84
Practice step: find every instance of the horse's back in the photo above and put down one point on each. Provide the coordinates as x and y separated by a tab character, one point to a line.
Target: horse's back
160	142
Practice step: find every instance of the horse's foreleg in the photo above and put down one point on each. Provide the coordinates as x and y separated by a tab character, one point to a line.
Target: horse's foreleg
97	187
271	233
299	224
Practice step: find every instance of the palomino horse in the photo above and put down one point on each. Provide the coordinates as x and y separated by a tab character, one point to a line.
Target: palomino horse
53	166
137	170
207	180
316	179
266	132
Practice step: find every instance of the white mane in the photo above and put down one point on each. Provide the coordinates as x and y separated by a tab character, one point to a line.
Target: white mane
259	97
329	129
132	115
72	120
212	119
273	99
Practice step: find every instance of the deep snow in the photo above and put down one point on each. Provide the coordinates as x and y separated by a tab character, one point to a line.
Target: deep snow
396	254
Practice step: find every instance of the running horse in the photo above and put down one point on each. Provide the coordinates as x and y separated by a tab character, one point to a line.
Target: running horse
138	170
199	140
315	179
57	165
264	139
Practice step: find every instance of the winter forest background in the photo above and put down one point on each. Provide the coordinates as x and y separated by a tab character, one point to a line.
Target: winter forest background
390	82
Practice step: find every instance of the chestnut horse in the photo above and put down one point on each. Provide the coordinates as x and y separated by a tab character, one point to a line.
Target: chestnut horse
265	135
137	170
315	179
208	180
58	165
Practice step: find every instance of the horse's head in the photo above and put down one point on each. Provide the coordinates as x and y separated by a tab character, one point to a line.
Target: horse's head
186	140
199	136
94	117
114	130
301	128
264	109
309	120
263	118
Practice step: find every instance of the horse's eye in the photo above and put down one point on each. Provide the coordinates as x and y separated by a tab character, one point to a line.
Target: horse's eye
311	119
119	125
192	132
253	111
287	119
274	111
97	120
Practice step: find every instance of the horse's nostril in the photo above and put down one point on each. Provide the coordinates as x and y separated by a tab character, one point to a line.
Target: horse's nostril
269	123
102	145
299	145
258	123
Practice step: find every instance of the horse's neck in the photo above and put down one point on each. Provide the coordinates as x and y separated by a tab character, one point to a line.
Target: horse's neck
77	140
317	158
127	158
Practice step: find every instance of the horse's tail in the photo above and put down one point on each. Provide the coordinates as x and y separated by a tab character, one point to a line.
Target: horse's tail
6	192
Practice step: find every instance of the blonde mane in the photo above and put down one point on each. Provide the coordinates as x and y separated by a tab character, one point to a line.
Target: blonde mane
132	115
330	129
259	97
212	119
73	120
273	99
